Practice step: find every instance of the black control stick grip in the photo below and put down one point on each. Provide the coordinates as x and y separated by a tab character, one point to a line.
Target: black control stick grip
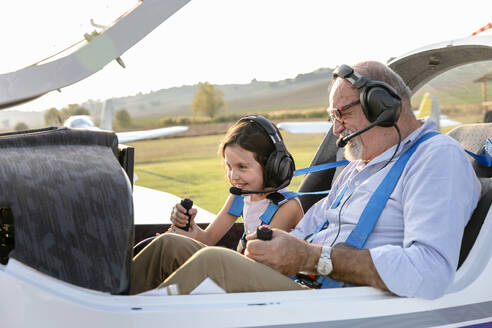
263	232
188	204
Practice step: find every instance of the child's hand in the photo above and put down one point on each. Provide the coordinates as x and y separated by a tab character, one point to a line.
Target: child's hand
179	218
192	232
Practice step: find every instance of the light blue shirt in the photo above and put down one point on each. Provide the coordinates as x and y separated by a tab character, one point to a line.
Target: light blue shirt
416	242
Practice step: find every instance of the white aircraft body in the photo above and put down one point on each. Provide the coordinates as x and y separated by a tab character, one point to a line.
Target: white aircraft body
36	299
154	207
446	121
34	81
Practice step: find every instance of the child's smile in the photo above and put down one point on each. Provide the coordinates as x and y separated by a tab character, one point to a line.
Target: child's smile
243	171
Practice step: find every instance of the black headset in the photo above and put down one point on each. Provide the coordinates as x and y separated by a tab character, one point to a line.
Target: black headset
376	97
280	166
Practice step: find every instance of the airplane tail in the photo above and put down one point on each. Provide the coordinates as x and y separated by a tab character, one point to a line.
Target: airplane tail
107	115
429	107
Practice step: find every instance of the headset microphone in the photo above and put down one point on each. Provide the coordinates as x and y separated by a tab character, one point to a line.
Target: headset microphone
342	141
386	118
238	191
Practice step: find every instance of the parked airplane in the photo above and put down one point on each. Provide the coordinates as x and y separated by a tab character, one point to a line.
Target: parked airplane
429	107
61	251
85	122
305	127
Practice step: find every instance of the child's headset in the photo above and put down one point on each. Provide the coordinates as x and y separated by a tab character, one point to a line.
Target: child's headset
280	166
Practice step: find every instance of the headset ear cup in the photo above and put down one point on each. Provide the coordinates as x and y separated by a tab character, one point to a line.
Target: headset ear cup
279	168
270	170
286	168
378	99
376	102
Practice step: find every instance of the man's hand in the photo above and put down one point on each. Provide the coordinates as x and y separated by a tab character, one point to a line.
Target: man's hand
284	252
355	266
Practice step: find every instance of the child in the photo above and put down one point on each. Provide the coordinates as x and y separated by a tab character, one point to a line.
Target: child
256	160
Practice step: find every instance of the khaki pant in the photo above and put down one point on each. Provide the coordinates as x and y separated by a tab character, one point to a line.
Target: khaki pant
175	259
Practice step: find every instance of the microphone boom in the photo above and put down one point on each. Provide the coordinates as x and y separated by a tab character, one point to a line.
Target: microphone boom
238	191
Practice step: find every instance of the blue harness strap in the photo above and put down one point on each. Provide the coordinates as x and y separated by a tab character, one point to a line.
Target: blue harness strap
267	216
377	202
273	207
320	167
486	157
237	205
375	206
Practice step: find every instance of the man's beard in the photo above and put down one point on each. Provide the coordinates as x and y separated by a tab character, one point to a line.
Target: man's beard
353	149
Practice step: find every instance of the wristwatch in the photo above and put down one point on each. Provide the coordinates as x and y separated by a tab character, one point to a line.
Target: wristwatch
324	266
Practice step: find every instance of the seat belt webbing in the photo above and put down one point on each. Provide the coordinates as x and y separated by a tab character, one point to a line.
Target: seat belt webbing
376	204
486	157
320	167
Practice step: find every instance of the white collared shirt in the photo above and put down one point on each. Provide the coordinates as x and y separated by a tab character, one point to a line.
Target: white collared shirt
416	242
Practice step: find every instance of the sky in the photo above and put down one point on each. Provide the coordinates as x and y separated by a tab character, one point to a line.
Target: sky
230	41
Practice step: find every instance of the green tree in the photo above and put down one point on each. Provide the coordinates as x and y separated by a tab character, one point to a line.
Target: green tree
52	116
208	100
71	110
123	118
21	126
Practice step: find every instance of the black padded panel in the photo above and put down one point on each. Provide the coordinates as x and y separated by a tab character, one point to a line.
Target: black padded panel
71	205
488	117
321	180
474	225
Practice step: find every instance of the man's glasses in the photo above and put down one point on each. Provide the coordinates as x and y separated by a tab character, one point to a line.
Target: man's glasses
336	113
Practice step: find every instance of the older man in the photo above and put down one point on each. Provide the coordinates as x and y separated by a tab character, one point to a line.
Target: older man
394	218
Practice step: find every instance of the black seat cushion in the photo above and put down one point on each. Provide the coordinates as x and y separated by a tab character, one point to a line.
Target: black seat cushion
71	205
322	180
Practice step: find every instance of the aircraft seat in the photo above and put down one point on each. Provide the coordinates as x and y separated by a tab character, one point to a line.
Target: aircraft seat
472	137
322	180
67	204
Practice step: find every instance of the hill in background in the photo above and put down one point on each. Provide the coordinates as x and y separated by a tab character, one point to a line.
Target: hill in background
305	90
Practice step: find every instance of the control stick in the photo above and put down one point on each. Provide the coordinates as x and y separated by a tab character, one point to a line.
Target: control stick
263	232
187	203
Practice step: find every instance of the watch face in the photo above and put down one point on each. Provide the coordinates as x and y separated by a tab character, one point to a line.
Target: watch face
325	266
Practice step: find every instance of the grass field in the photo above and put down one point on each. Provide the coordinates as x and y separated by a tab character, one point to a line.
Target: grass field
191	167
